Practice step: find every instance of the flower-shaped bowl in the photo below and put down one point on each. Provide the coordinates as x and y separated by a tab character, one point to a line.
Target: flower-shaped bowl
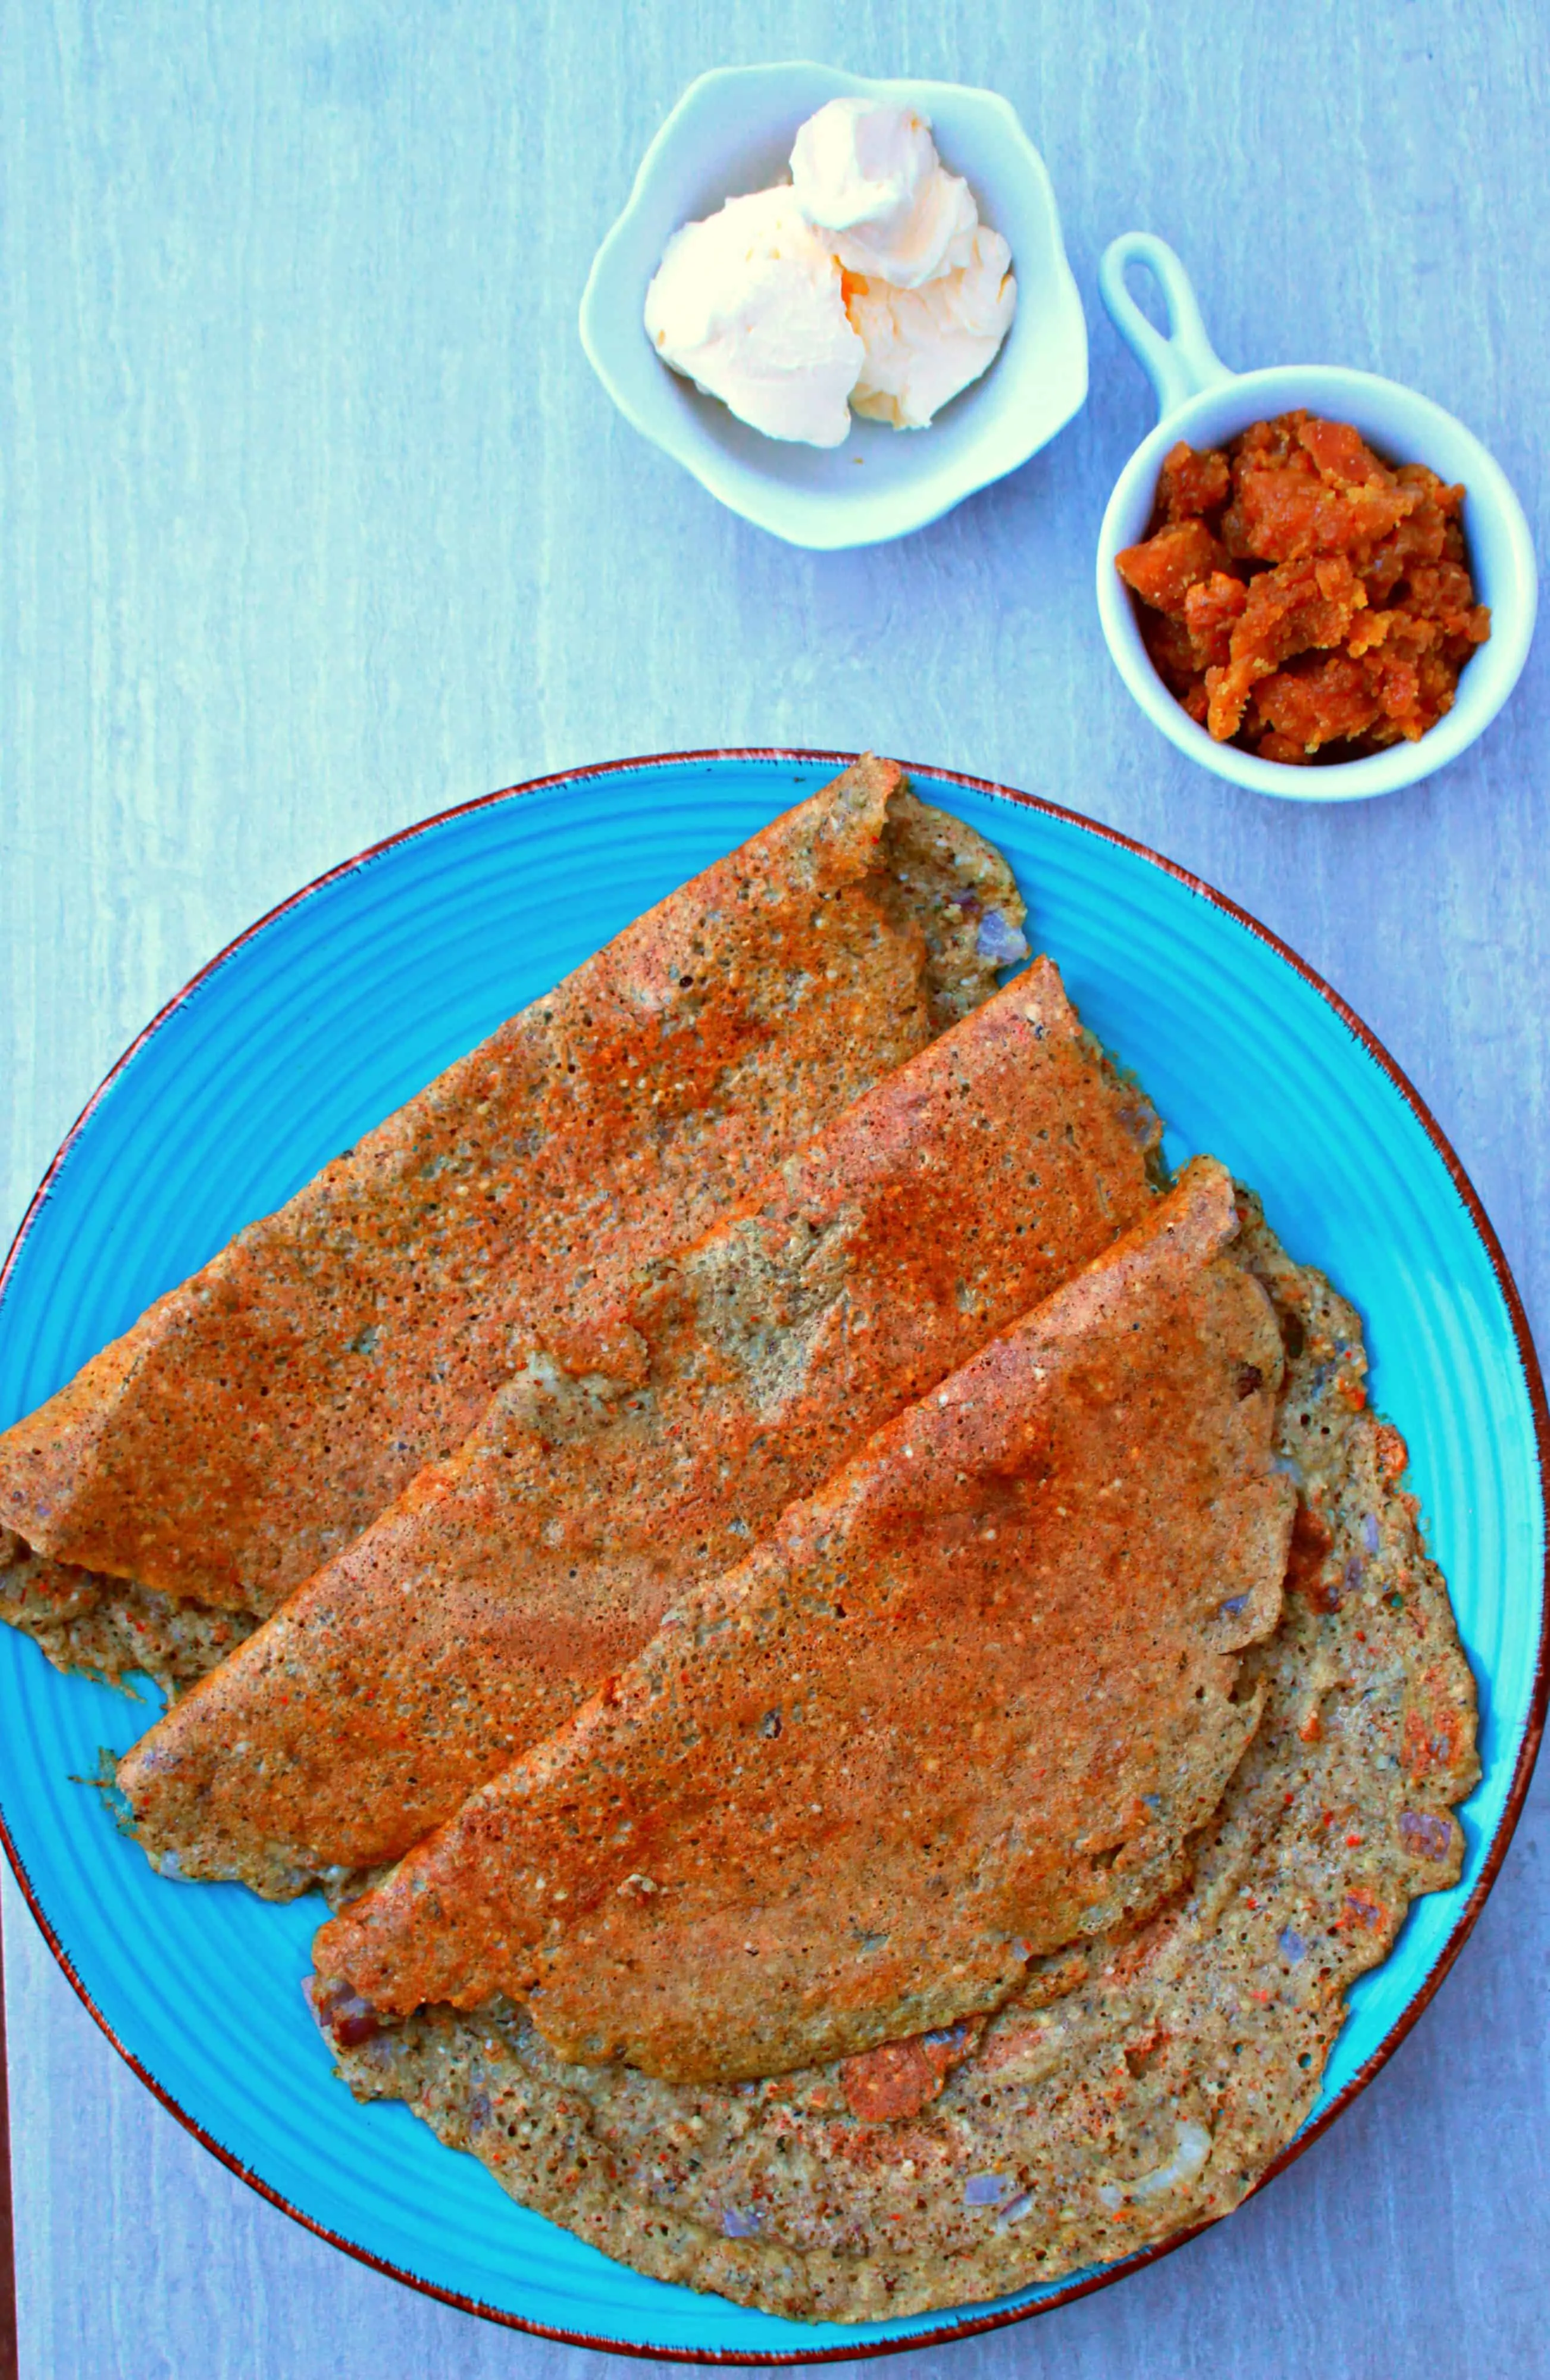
732	132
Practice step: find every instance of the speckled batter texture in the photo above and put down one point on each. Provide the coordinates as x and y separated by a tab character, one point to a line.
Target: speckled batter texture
256	1419
966	1701
1134	2087
647	1449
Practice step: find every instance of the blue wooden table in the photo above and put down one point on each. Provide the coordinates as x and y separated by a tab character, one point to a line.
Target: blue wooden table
315	520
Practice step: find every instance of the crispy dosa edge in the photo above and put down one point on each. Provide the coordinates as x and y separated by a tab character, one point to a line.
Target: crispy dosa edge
616	1871
1135	2087
503	1586
257	1417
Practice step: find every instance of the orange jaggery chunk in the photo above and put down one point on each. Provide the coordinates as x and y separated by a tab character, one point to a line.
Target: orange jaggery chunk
1163	570
1172	649
1301	704
1300	597
1303	606
1341	456
1212	609
1278	515
1192	483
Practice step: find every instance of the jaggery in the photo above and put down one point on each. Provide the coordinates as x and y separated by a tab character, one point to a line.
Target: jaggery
1300	598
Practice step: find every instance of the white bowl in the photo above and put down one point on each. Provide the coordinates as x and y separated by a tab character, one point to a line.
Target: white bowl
732	132
1206	404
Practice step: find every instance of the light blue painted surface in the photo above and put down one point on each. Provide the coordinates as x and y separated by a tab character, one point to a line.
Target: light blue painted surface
315	519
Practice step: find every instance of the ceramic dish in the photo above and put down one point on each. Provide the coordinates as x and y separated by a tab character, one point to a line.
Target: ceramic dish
732	132
338	1006
1201	401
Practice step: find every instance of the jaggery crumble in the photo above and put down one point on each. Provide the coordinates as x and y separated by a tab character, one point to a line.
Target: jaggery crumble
1300	598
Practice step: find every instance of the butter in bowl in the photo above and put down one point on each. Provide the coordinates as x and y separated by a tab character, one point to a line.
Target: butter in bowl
866	286
842	305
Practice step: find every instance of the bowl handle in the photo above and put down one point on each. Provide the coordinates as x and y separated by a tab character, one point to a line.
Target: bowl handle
1180	365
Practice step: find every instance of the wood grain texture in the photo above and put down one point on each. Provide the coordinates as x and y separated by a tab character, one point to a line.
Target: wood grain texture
315	519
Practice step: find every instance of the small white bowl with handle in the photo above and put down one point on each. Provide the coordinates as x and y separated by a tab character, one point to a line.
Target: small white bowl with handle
1203	402
733	132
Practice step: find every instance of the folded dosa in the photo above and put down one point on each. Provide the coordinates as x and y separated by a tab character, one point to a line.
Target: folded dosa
254	1420
963	1705
646	1447
1133	2085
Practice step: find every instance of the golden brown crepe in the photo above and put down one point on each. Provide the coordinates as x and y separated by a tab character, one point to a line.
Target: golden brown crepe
646	1447
1135	2085
256	1419
965	1704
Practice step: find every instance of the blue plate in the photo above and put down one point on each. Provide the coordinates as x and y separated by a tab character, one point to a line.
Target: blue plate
342	1004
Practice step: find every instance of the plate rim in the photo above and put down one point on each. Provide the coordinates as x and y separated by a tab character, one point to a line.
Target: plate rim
973	2324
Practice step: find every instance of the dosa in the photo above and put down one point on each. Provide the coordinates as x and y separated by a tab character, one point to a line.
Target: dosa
644	1448
965	1704
256	1419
